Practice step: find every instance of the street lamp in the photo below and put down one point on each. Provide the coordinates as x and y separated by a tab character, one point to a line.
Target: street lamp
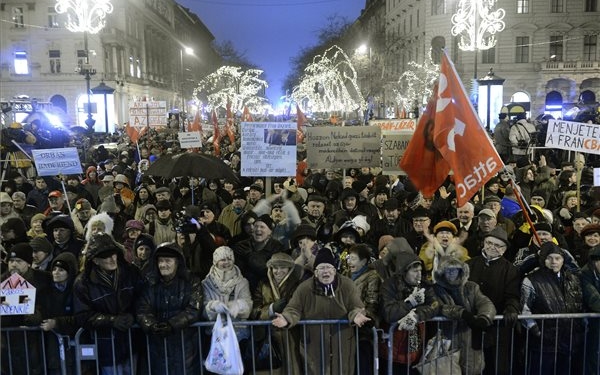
490	97
103	89
363	50
190	52
87	16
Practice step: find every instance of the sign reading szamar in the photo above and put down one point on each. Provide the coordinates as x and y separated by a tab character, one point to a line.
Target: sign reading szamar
343	147
574	136
55	161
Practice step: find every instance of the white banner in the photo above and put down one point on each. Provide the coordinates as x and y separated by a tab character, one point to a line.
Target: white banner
190	139
144	113
573	136
268	149
393	145
55	161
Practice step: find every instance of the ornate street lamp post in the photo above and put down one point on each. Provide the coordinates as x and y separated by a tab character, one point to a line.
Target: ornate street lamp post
87	16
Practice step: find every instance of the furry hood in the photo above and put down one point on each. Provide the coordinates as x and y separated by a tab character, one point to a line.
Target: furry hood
450	262
109	224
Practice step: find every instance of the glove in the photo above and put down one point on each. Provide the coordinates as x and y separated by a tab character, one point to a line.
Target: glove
409	322
161	329
220	307
123	322
565	213
233	309
474	322
279	305
535	331
510	318
417	297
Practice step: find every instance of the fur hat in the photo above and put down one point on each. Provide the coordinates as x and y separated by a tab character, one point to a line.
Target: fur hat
391	204
324	255
568	194
590	229
223	252
445	225
59	221
163	205
101	245
358	186
41	244
16	224
23	251
361	222
102	217
543	226
384	241
280	260
347	193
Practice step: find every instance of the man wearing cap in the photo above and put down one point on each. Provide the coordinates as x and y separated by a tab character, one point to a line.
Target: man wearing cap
38	196
255	193
315	217
327	295
105	296
499	280
42	253
20	206
56	204
421	221
486	222
526	259
163	227
81	215
170	302
231	214
493	203
252	254
391	224
107	189
349	199
553	289
25	351
6	208
61	232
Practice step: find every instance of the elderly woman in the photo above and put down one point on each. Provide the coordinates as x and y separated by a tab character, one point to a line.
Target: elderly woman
442	243
326	296
226	291
271	296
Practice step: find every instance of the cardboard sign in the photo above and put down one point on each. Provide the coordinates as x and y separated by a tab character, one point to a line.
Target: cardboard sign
268	149
405	124
190	139
393	145
152	113
343	147
55	161
574	136
17	296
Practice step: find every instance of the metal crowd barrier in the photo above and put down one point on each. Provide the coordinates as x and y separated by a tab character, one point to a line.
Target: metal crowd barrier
512	350
565	344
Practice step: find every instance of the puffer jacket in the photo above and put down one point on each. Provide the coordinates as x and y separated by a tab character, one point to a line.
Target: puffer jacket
455	299
177	302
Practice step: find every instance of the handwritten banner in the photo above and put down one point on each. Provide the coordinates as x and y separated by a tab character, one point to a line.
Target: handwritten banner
393	145
190	139
55	161
17	296
268	149
574	136
343	147
144	113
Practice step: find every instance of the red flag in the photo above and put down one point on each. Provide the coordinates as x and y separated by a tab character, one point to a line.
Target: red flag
196	126
229	123
423	163
134	133
216	134
460	137
246	116
300	125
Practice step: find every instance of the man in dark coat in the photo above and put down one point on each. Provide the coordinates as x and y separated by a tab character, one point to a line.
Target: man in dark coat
590	284
170	302
391	224
105	296
499	280
60	230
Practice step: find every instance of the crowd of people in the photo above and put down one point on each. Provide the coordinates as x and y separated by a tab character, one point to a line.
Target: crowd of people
115	247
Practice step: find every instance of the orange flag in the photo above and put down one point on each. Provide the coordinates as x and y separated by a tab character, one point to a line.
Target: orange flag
246	116
229	123
300	125
422	162
196	126
460	137
133	132
216	134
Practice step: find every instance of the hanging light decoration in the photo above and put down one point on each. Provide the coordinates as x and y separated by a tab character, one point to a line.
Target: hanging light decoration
84	15
475	23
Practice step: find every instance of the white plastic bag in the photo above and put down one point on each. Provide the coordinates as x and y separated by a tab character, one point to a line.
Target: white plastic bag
224	356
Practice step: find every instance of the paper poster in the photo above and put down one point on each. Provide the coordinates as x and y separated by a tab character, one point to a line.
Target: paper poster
343	147
190	139
17	296
393	145
55	161
574	136
268	149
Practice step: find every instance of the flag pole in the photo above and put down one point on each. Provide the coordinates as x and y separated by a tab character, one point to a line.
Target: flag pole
525	208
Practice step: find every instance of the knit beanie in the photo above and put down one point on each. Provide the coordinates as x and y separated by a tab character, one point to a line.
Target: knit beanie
222	252
23	251
324	256
41	244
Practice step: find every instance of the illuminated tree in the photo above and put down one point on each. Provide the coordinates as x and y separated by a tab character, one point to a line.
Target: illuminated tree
415	85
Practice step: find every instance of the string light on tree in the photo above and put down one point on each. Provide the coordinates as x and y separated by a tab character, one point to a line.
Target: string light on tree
83	15
476	24
416	83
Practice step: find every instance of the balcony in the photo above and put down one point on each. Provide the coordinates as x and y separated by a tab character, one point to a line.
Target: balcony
579	66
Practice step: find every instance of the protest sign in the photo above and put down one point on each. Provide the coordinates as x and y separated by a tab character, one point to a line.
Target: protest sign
17	296
343	147
142	114
393	145
190	139
573	136
55	161
268	149
406	124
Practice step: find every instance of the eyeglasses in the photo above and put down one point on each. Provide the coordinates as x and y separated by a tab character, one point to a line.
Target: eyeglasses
420	220
494	245
325	267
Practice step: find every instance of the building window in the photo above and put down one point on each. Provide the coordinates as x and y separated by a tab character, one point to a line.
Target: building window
590	47
18	17
54	55
591	5
438	7
52	17
522	53
81	57
557	6
21	64
522	6
488	56
138	64
131	67
556	48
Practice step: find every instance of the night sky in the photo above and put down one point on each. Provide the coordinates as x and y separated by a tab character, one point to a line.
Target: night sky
270	32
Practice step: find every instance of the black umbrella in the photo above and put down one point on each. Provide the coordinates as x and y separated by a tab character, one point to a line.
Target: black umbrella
191	164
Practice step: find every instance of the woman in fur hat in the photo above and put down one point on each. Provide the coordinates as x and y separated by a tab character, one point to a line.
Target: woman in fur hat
443	242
